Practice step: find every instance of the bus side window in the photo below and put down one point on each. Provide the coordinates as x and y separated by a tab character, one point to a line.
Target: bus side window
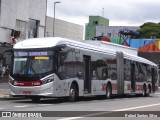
79	75
94	75
61	60
104	73
65	63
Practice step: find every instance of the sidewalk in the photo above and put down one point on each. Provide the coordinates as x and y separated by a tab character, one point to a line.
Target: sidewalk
4	90
4	94
4	79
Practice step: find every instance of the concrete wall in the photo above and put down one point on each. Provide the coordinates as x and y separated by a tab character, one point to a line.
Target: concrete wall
5	35
41	31
64	29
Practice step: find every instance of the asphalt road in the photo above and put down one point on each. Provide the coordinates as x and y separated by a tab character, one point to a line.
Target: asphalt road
116	108
128	107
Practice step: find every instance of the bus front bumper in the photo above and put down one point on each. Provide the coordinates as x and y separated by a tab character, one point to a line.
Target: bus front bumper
43	91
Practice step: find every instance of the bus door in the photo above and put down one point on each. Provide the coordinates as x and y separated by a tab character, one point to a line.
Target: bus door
133	77
87	74
153	79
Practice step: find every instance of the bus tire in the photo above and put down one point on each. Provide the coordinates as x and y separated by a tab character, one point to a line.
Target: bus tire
149	92
35	99
108	91
72	93
144	91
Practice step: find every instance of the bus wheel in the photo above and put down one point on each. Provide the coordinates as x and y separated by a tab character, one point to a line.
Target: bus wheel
72	93
35	99
108	91
149	87
144	94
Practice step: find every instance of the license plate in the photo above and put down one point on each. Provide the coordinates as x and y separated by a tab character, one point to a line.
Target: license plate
26	93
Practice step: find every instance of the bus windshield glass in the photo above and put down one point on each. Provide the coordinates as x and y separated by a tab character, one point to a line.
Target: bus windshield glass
32	63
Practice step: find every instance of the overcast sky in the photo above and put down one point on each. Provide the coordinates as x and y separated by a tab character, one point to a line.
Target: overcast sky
119	12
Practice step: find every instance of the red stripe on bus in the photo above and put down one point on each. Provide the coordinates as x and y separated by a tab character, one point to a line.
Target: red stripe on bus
114	86
138	87
32	83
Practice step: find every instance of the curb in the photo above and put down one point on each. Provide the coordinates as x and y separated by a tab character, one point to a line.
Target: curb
7	97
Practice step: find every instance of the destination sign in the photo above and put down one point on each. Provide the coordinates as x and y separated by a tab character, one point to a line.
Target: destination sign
33	53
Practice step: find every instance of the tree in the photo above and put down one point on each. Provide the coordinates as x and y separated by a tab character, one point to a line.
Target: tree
149	29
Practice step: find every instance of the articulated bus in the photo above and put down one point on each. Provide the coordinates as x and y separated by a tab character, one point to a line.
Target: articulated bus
58	67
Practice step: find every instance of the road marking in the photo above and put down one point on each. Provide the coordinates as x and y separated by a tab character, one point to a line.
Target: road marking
21	106
101	113
137	107
44	104
71	118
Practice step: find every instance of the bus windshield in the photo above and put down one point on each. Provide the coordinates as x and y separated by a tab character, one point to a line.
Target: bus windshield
35	63
32	66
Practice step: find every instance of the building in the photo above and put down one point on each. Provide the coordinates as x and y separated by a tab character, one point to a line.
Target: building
63	29
22	19
94	21
99	26
19	20
112	32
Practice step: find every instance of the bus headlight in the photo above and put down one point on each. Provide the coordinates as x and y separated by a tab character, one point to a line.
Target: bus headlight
48	80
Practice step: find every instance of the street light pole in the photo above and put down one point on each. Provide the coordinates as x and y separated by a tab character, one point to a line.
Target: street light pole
54	16
45	32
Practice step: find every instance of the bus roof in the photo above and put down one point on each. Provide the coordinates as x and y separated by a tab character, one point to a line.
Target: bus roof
48	42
